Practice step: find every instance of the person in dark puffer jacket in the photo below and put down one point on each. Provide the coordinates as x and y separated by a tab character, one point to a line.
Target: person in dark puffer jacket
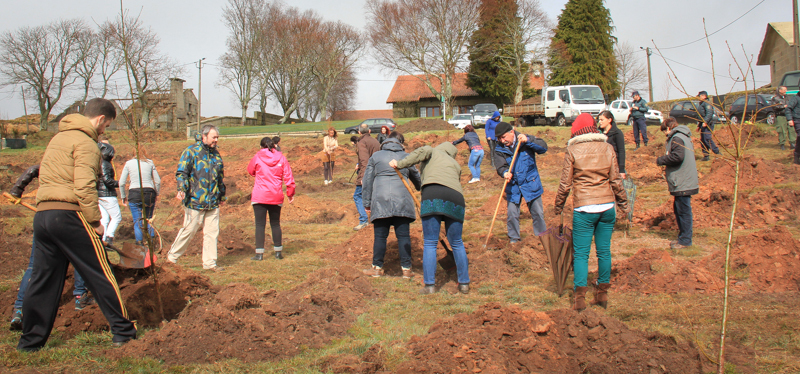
615	138
475	152
107	194
682	180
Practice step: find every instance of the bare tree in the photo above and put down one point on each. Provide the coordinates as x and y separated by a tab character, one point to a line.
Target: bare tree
87	59
631	72
423	36
339	49
528	33
43	59
666	87
109	56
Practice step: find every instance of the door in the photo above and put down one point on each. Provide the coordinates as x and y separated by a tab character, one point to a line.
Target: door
566	106
552	105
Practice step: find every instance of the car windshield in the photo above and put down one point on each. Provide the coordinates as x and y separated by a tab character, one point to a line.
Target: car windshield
485	108
791	81
587	95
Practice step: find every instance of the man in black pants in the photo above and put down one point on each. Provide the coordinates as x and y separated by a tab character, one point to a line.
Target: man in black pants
68	230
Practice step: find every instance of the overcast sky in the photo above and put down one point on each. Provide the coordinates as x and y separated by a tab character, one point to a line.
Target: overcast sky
190	30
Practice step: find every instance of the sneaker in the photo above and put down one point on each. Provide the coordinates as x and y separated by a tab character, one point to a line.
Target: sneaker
677	246
278	255
427	290
783	147
373	271
216	269
705	158
360	226
514	241
117	344
326	182
257	257
16	320
83	301
637	147
408	274
473	180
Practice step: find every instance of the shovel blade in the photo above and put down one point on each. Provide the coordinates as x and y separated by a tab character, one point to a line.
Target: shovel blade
133	256
448	262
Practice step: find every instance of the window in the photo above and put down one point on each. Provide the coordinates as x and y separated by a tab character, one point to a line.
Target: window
739	101
751	101
678	107
565	94
623	105
615	105
551	95
431	111
422	112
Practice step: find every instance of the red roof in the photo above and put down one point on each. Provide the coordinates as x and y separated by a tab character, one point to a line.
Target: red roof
410	88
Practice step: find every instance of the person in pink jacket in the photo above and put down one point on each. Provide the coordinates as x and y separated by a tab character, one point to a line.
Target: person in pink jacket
271	170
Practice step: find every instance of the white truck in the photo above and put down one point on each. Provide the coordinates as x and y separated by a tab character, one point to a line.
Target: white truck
560	106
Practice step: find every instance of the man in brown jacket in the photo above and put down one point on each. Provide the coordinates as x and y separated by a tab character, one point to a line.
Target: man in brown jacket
365	147
68	230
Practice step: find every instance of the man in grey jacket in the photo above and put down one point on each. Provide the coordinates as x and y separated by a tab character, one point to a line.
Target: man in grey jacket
681	173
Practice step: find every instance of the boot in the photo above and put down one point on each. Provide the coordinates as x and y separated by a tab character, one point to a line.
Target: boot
601	295
463	288
258	257
580	298
637	146
428	289
278	254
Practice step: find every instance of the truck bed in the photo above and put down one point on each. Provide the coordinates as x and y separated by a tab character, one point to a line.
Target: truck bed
520	110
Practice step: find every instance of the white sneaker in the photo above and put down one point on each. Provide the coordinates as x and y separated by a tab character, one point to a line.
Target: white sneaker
473	180
326	183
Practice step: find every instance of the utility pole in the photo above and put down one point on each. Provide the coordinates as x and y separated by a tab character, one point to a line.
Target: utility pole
199	89
649	73
796	36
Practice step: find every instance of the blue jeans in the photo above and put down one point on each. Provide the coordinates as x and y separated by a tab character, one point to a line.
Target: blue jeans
640	127
475	159
585	226
362	213
80	288
430	232
707	141
683	214
136	212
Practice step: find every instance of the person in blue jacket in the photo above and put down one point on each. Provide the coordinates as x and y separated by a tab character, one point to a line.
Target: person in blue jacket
491	139
475	152
523	179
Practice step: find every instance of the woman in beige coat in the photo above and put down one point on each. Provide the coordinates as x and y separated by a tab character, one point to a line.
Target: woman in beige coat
329	145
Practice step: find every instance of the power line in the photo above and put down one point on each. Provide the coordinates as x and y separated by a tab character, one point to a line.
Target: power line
701	70
723	27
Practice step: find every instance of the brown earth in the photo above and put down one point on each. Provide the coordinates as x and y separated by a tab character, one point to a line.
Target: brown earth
240	322
655	271
424	124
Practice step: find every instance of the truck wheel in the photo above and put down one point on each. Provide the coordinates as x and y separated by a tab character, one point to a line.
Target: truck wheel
561	121
521	122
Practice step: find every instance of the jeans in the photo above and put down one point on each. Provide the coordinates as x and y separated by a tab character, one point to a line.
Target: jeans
584	227
707	141
401	232
683	214
430	232
80	288
640	127
475	159
362	213
136	213
536	208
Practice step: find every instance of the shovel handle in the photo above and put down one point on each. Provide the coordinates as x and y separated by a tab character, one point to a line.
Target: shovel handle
500	198
18	201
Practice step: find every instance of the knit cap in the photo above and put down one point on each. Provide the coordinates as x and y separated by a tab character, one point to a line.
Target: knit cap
501	129
584	124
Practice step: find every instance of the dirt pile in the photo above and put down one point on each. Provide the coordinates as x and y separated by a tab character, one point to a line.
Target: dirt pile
430	139
424	124
655	271
753	172
497	339
240	322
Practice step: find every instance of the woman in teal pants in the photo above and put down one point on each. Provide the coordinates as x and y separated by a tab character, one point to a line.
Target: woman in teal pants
592	174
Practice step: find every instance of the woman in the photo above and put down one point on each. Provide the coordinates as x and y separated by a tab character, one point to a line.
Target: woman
388	203
615	138
681	173
442	201
475	152
143	194
383	134
592	173
329	145
271	170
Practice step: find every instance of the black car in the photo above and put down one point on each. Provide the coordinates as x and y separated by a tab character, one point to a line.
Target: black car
757	105
374	124
685	112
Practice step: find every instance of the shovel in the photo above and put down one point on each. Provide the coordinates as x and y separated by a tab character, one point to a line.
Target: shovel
448	262
18	201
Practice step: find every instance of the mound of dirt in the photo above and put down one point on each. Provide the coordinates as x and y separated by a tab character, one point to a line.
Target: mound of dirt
240	322
425	124
497	339
753	172
655	271
177	286
430	139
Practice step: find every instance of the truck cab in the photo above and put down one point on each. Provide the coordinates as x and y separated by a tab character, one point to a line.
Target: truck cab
562	104
791	80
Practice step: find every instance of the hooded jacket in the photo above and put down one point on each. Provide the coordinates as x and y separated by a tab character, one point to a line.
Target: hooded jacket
366	146
681	171
384	193
69	169
200	176
437	165
271	170
491	123
591	173
107	185
525	181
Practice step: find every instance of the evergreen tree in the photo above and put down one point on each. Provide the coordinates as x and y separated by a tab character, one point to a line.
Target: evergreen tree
485	76
582	49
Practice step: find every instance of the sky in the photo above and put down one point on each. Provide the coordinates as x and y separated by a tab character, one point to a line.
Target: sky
190	30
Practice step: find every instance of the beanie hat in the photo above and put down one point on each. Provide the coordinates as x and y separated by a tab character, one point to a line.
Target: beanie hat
584	124
502	128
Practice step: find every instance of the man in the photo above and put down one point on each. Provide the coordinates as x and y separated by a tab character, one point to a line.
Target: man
793	118
68	230
523	180
638	109
200	187
491	138
706	125
681	172
365	147
778	101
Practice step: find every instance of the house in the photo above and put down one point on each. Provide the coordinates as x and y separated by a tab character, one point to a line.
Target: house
173	109
777	51
410	97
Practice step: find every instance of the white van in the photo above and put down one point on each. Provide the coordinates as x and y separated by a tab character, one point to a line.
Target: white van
563	104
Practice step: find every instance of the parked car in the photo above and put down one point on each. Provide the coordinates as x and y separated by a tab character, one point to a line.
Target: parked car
460	121
621	109
481	113
685	112
756	104
374	124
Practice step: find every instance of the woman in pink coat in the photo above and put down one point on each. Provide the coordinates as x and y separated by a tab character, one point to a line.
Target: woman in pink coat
271	170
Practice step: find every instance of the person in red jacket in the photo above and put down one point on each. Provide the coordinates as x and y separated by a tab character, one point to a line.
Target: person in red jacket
271	170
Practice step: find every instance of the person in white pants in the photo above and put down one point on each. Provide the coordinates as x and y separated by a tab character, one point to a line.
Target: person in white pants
107	194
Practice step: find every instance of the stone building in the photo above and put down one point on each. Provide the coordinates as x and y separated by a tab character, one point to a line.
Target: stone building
173	109
777	51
